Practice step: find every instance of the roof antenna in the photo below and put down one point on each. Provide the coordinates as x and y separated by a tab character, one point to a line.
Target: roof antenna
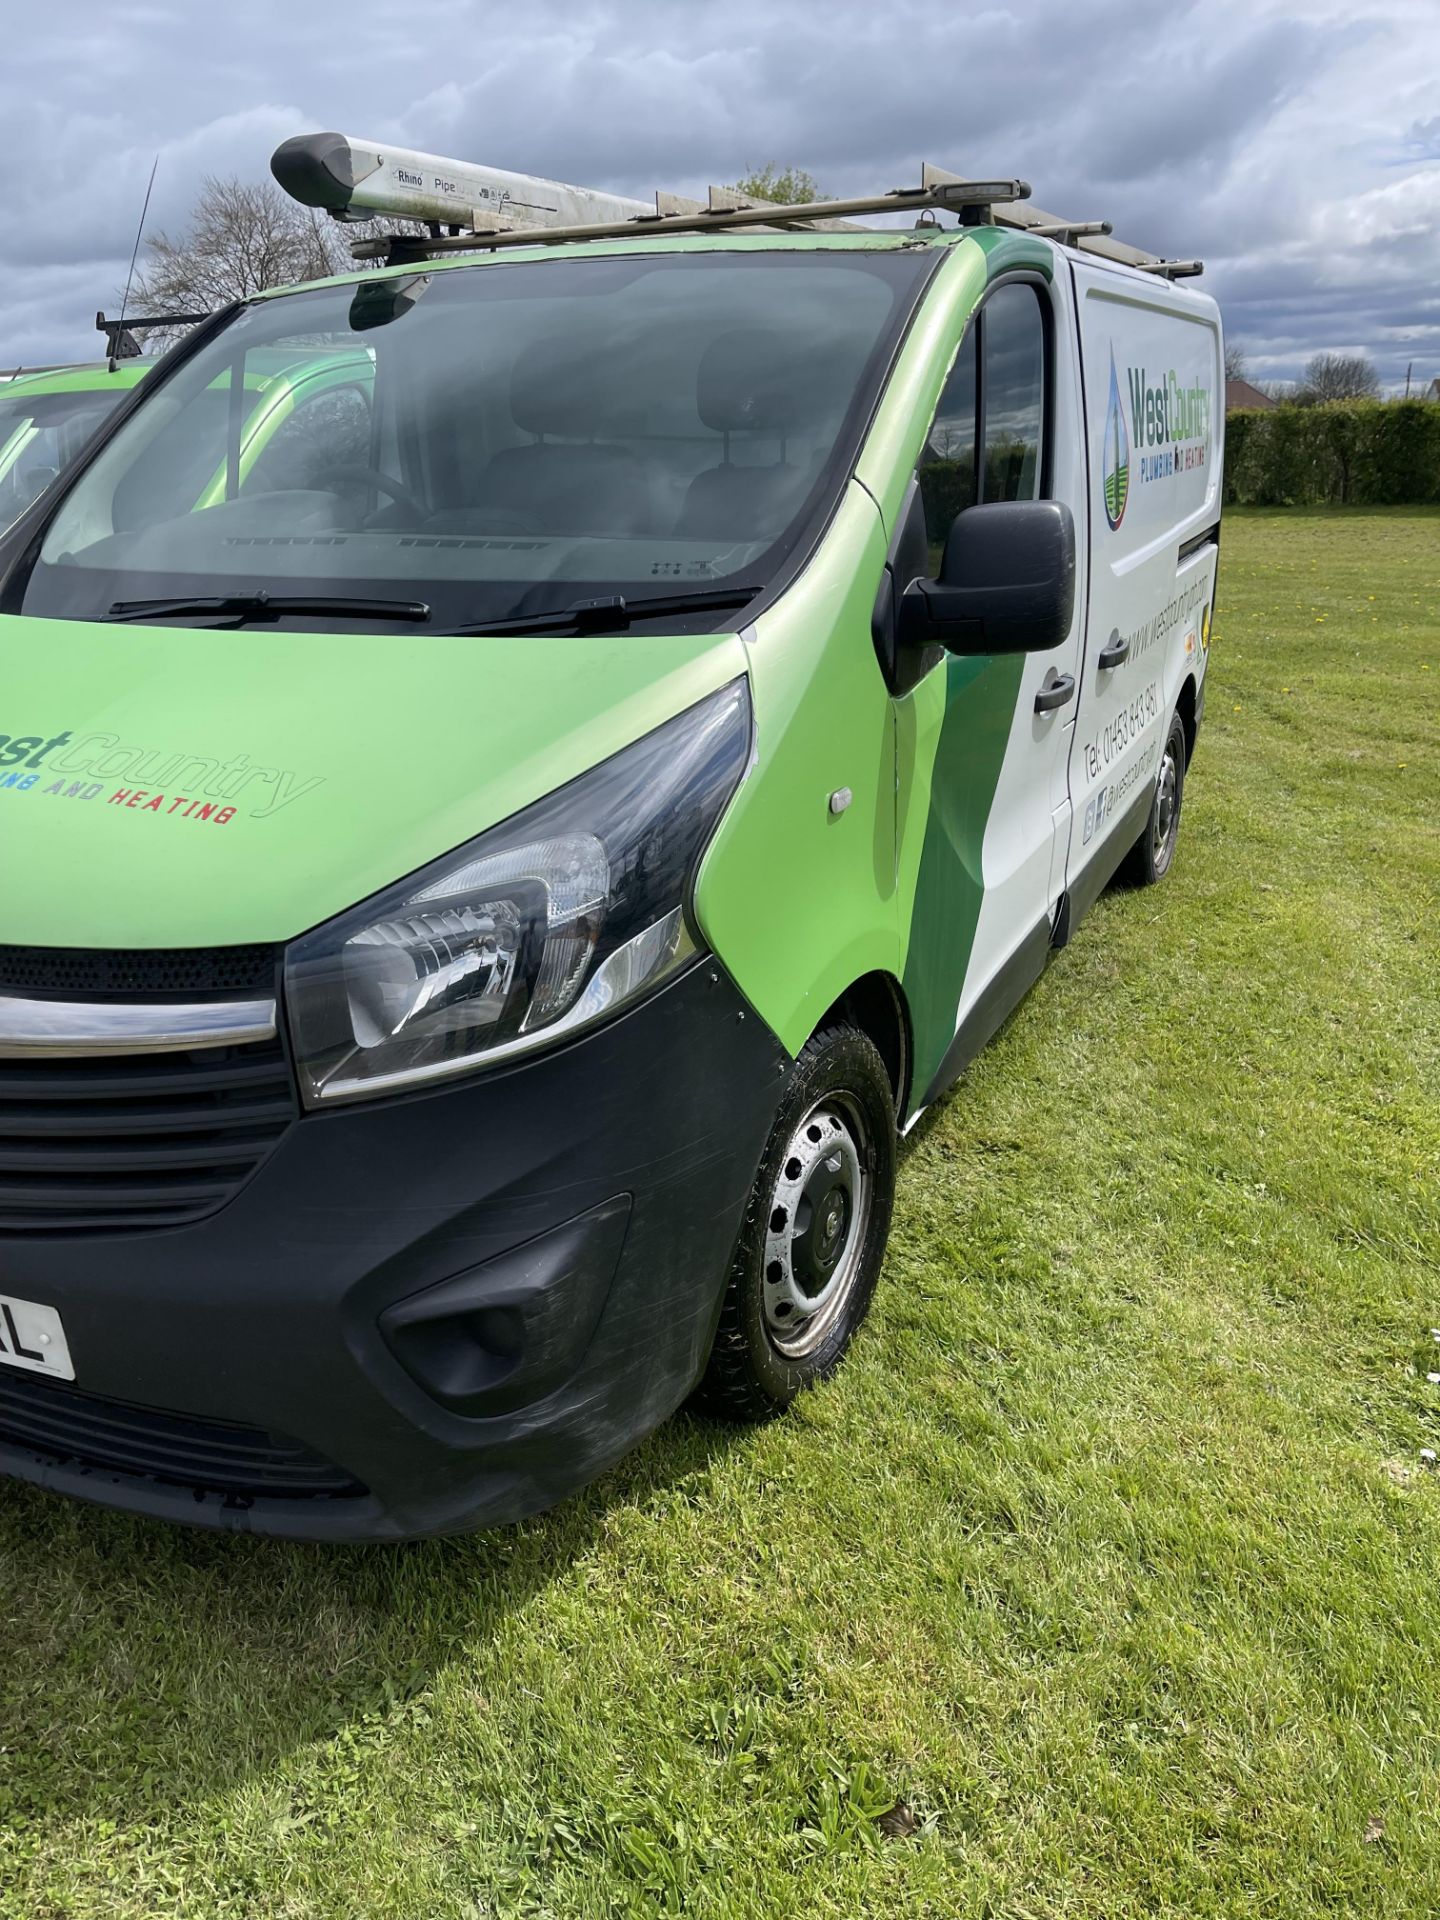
119	333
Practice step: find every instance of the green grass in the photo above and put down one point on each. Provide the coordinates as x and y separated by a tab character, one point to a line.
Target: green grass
1109	1552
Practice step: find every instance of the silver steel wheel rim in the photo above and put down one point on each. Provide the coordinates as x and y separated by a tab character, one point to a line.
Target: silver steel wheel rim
818	1222
1166	811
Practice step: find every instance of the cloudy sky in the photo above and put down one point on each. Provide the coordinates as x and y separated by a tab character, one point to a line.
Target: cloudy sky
1293	144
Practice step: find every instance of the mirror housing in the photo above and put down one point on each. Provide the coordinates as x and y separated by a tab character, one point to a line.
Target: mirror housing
1007	582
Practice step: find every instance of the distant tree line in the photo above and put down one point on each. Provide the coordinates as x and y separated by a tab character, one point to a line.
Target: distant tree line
1328	377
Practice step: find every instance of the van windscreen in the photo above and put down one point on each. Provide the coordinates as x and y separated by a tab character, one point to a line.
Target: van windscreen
498	440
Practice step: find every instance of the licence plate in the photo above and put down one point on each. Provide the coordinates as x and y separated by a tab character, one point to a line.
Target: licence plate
31	1337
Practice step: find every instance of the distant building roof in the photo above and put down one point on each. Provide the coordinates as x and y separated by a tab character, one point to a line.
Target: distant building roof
1240	393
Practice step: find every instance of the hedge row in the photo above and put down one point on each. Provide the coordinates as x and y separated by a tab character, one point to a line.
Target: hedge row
1352	453
947	487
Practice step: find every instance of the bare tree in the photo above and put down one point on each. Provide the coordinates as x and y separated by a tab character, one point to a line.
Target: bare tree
1237	366
1337	376
790	187
240	239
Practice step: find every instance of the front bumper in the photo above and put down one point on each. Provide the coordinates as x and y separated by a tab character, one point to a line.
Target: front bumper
464	1304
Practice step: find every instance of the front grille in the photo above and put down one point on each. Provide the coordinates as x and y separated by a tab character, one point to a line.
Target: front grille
134	972
138	1141
69	1428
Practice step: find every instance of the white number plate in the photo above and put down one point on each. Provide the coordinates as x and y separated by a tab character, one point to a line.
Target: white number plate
32	1337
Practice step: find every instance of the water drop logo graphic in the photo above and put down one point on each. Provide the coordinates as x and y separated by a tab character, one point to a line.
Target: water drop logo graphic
1115	456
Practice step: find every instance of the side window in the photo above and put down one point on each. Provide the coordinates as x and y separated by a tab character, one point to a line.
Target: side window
1012	393
948	467
987	441
327	431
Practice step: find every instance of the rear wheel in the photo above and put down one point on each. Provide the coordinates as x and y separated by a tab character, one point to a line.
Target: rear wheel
814	1234
1148	861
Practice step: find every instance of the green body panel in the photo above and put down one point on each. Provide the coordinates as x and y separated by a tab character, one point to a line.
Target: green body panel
349	760
796	900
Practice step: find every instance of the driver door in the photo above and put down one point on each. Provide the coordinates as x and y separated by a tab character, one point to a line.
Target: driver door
984	743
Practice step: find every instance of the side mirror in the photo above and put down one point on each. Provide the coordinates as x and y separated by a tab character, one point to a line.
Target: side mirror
1007	582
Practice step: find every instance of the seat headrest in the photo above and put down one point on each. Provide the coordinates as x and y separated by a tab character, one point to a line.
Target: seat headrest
560	387
767	381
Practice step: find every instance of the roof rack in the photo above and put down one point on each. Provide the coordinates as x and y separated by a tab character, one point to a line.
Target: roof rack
1085	236
120	340
458	206
972	200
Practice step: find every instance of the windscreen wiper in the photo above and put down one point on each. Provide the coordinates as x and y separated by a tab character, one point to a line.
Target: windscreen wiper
268	606
613	613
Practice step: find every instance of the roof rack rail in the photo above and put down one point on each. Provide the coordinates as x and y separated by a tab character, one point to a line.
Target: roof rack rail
120	340
460	206
971	199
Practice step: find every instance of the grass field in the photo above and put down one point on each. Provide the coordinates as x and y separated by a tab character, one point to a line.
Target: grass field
1109	1554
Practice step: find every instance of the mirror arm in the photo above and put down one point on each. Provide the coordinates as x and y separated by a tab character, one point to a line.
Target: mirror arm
934	613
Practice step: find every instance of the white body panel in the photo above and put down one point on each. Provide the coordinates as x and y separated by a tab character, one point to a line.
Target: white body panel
1154	394
1076	785
1028	831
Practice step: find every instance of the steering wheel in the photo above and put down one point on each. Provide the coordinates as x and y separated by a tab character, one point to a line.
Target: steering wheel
373	477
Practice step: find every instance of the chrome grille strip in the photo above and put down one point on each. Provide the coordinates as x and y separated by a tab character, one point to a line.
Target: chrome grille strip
74	1029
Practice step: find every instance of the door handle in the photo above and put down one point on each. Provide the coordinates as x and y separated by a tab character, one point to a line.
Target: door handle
1058	688
1115	655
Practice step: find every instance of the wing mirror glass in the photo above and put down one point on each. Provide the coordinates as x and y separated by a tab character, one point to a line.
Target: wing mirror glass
1007	582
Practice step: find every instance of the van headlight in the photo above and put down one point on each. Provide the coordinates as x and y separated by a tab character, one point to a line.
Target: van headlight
545	924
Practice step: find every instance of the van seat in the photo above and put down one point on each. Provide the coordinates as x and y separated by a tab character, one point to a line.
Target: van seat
569	480
757	381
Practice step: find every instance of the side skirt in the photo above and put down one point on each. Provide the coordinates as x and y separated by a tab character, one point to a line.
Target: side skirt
1096	875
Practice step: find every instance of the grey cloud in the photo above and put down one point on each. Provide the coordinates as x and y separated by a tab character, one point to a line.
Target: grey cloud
1196	128
1186	104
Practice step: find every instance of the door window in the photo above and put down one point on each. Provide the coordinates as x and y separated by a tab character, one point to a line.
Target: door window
947	464
1012	393
987	440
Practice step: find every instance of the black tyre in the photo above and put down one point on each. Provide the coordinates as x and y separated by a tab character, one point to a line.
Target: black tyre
1148	861
814	1233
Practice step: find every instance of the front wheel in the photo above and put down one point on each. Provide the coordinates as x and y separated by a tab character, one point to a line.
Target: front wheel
814	1234
1148	861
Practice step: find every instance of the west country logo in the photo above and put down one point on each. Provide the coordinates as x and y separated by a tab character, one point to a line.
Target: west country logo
1115	456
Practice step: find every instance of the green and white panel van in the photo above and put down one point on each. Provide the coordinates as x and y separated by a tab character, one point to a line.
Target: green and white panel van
46	420
487	875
